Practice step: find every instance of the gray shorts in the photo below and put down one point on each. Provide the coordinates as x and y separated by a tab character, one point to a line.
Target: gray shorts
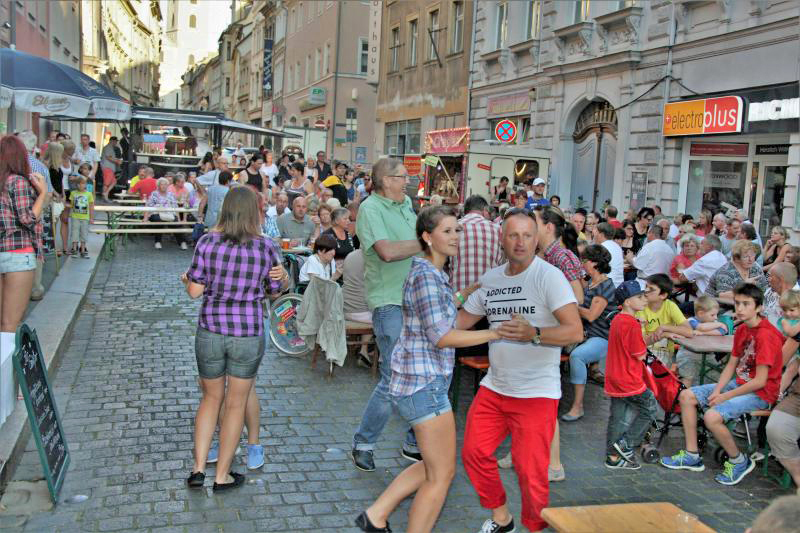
218	355
78	230
688	364
17	262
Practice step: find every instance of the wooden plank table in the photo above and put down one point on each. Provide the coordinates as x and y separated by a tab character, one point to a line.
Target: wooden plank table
650	517
708	345
115	215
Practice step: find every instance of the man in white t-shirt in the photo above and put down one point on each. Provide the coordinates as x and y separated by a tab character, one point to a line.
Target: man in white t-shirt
655	257
604	236
86	154
529	301
713	259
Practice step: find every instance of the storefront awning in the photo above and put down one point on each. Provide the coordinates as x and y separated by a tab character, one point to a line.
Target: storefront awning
233	125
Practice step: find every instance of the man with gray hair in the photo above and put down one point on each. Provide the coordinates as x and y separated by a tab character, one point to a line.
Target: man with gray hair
782	278
720	223
655	257
212	177
711	260
29	139
386	228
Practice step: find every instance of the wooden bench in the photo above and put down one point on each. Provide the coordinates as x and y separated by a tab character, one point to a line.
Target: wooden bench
651	517
140	222
114	231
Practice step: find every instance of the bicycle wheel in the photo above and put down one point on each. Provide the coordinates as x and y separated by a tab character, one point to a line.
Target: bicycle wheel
283	325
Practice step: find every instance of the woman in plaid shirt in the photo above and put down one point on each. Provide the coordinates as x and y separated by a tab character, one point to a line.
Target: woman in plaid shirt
22	198
422	366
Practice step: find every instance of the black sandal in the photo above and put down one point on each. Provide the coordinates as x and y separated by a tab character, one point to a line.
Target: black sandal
238	481
196	480
364	523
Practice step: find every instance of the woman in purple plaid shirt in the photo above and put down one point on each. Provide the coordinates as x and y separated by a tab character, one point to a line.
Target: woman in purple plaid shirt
422	366
231	267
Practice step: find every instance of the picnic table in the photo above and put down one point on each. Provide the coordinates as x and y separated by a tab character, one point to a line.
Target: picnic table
651	517
118	216
715	345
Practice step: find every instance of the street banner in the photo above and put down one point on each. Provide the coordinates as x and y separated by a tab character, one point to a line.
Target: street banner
374	50
267	80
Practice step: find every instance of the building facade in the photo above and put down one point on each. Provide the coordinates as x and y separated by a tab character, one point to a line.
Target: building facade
190	34
587	83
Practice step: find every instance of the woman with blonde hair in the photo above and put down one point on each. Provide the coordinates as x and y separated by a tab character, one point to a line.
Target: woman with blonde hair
232	266
688	247
742	268
777	247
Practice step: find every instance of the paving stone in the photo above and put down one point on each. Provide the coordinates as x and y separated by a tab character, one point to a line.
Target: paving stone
127	391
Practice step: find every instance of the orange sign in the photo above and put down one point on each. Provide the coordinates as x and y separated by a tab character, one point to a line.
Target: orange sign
413	164
702	117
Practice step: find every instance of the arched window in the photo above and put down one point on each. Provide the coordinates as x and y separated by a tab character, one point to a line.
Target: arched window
192	21
191	59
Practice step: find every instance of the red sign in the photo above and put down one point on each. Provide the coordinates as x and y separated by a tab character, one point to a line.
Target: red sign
720	149
505	131
701	117
484	167
450	141
413	164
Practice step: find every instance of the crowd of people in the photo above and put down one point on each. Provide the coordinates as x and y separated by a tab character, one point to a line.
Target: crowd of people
517	276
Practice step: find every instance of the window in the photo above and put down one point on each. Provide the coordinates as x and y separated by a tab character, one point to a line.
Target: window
297	75
455	120
413	34
326	59
317	63
292	19
227	86
192	21
300	20
395	48
534	18
523	124
501	26
402	137
228	51
308	69
278	78
191	59
581	11
351	123
193	1
457	44
290	80
433	27
363	55
319	8
626	3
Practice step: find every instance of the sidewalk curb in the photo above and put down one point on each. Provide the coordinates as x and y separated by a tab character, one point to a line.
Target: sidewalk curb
53	319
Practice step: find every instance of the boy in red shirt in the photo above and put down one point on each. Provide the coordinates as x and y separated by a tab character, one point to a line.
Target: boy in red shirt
756	361
625	381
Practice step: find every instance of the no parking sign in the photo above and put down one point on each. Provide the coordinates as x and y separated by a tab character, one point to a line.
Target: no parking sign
505	131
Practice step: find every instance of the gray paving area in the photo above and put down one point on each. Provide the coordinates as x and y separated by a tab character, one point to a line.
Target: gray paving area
127	392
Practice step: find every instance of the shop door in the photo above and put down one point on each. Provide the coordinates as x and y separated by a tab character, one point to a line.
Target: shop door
595	140
771	184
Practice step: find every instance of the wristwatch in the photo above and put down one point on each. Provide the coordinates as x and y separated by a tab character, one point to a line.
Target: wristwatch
537	337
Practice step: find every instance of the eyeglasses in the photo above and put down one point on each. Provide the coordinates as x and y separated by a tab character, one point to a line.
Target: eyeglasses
518	211
404	177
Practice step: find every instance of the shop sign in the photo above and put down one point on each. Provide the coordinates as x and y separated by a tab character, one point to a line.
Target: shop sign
719	149
317	96
413	164
449	141
432	160
723	180
772	149
361	154
638	190
703	117
510	104
266	81
484	167
374	41
774	110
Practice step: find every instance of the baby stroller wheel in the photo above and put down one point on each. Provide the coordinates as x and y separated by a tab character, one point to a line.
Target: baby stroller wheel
720	455
650	454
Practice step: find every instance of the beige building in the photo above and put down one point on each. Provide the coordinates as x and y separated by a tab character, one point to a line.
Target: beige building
320	76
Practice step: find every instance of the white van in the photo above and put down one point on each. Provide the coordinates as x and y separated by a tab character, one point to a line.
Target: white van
487	162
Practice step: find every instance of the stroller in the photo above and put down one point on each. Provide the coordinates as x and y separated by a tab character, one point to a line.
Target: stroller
667	388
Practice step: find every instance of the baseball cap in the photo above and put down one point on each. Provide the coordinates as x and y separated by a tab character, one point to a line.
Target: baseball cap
538	181
628	289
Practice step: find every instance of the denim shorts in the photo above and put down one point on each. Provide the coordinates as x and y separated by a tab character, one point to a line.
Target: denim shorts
15	262
733	408
428	402
218	355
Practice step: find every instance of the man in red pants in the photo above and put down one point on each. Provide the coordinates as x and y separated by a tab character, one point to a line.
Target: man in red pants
531	302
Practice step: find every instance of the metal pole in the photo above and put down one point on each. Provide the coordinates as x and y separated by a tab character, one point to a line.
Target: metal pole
12	112
339	8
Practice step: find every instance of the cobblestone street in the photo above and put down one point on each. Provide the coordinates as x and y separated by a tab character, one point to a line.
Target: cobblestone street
127	392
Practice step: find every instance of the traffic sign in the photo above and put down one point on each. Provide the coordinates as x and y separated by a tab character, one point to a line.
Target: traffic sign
319	124
505	131
431	160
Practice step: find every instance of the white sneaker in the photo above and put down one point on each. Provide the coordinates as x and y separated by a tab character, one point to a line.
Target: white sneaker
183	245
158	246
505	462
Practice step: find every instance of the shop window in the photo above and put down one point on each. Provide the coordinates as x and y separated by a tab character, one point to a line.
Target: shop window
402	137
713	182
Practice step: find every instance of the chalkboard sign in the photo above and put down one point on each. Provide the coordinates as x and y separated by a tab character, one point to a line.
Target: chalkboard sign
42	412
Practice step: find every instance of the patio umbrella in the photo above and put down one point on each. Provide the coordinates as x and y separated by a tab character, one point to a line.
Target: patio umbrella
42	86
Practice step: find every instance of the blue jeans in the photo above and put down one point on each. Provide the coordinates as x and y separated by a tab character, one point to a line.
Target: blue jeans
629	418
430	401
733	408
387	323
591	350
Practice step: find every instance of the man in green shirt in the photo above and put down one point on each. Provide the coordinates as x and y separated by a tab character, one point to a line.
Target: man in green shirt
386	228
296	224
